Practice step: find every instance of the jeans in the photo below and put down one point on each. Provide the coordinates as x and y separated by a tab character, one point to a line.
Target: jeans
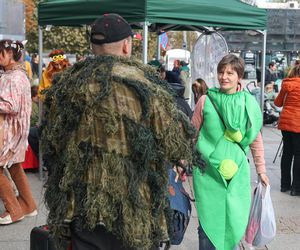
204	241
291	151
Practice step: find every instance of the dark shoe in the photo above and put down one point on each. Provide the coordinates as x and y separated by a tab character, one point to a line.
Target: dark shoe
295	193
285	189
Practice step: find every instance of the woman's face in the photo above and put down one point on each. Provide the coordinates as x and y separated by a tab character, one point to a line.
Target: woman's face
5	58
57	66
228	80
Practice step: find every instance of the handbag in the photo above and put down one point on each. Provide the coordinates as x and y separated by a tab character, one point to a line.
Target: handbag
261	228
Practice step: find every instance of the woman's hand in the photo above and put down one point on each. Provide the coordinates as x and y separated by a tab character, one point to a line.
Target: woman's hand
264	179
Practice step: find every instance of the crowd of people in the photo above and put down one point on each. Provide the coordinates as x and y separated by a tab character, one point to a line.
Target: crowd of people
111	128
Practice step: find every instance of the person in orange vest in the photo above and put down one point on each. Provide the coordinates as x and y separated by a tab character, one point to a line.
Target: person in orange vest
289	99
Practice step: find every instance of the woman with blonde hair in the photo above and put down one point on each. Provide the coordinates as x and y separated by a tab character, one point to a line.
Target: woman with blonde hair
289	99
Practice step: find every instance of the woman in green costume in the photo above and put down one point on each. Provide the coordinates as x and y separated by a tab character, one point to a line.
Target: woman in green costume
222	188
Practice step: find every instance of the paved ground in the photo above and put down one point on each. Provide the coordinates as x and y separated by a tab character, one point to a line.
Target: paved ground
287	209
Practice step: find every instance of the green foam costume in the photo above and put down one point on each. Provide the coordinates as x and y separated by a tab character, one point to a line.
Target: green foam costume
222	191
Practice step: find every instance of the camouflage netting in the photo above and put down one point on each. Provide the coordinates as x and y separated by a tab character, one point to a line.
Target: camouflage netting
107	135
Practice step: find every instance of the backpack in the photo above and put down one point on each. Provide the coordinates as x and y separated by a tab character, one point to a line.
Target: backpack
180	203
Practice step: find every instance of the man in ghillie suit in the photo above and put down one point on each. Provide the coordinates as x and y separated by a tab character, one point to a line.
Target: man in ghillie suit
110	125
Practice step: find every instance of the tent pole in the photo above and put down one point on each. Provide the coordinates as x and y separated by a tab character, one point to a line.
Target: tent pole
40	103
40	52
205	60
145	42
158	48
263	69
262	87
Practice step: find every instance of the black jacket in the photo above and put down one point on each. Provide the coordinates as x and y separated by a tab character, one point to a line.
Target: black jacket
179	98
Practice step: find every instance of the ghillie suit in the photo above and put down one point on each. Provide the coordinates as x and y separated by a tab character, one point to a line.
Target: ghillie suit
223	201
110	124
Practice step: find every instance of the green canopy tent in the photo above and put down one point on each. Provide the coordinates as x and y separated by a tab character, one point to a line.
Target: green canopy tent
156	15
231	14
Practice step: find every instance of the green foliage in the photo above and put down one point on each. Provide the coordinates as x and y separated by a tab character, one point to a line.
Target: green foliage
69	39
137	46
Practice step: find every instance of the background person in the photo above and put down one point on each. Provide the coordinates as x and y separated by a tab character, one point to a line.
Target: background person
107	130
289	99
28	65
58	63
199	89
35	65
226	177
271	74
185	79
15	109
176	67
33	138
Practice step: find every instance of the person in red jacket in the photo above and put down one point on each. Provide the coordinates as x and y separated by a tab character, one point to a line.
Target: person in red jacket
289	124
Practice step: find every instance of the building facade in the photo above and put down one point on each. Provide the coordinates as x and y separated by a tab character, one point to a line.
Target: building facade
12	19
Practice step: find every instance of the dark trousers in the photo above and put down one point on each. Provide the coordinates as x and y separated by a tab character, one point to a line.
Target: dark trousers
98	239
204	241
291	150
33	140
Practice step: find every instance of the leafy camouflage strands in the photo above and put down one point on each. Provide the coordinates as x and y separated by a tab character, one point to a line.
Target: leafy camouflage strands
107	134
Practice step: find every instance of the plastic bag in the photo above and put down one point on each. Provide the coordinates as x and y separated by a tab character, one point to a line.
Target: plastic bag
261	228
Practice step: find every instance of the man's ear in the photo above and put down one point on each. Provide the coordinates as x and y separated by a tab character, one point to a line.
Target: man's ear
126	48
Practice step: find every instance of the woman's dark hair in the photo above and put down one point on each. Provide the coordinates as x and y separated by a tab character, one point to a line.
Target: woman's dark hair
237	64
199	89
15	46
34	55
271	64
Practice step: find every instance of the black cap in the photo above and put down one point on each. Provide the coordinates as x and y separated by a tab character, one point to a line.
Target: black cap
112	26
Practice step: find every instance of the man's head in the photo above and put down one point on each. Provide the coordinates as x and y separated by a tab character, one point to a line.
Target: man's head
272	66
111	35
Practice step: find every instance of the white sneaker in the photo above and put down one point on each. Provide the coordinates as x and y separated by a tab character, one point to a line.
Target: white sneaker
33	213
7	220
